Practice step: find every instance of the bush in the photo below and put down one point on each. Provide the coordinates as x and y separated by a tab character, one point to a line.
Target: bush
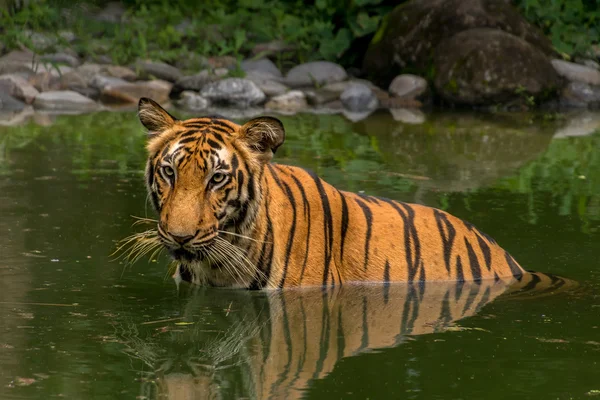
572	25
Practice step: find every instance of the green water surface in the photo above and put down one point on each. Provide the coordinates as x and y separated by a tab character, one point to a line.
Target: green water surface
76	325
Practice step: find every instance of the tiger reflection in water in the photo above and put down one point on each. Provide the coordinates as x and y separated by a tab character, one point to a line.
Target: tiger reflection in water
271	345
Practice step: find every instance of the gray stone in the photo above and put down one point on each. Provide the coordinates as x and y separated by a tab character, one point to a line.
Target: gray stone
358	97
67	36
489	66
18	87
114	12
158	70
72	80
193	82
411	34
39	41
315	73
9	103
580	95
291	101
407	86
274	47
233	91
119	71
61	58
262	65
317	97
101	82
87	91
66	100
577	73
221	72
192	101
271	88
589	63
408	115
128	93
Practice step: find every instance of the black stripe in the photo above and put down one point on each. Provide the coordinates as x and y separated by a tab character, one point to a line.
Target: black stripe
341	344
344	226
369	222
306	208
327	225
386	280
460	276
473	262
532	283
413	258
514	268
364	341
188	140
288	344
447	239
445	317
324	340
291	235
473	228
189	133
275	177
485	249
473	291
484	299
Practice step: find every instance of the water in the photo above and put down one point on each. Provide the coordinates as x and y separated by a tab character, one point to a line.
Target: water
77	325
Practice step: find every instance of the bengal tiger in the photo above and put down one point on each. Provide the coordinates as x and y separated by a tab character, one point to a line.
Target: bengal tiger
231	218
274	344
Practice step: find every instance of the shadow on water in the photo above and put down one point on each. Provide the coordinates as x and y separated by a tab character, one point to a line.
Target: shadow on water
275	344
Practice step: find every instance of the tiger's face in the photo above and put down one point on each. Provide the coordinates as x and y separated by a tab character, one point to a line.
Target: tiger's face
202	176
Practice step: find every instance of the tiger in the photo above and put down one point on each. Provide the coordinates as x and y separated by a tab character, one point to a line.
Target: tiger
232	218
275	344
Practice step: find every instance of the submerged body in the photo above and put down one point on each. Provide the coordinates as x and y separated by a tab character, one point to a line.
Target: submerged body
231	218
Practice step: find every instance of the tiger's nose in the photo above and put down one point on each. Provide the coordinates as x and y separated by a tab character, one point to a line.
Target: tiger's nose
182	239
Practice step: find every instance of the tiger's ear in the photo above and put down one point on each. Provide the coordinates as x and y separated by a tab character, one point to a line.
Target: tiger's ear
155	118
263	135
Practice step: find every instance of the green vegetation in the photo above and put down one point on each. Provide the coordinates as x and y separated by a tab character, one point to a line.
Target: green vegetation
572	25
170	30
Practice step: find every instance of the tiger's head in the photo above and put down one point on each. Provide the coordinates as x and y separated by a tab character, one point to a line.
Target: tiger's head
203	177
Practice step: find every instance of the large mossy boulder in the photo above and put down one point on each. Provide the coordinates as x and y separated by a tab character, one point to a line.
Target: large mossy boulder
486	66
416	36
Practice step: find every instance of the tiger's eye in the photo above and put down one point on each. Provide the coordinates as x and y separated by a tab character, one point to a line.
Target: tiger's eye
218	178
168	170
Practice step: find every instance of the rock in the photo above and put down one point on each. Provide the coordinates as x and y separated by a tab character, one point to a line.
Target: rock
45	81
118	71
318	97
291	101
409	36
192	101
66	100
262	65
221	72
589	63
19	62
193	82
67	36
39	41
148	69
315	73
9	103
408	115
407	86
489	66
72	80
89	71
101	82
270	88
61	58
581	124
358	97
580	95
157	90
577	73
88	91
233	91
18	87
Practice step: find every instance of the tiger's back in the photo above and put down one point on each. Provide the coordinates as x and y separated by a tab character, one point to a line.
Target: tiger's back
366	238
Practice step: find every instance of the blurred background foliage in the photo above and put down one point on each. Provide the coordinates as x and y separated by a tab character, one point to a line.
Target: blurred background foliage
167	30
